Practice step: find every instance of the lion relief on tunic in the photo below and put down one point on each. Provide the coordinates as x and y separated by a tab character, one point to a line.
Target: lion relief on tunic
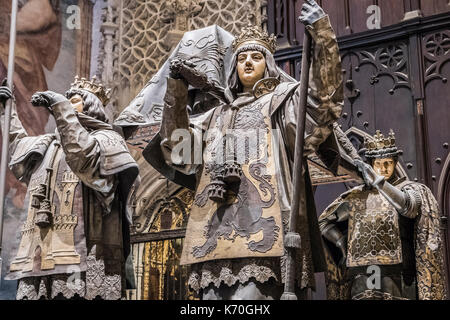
242	215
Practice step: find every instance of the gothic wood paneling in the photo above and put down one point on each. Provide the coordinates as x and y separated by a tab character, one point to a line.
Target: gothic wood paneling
436	58
347	16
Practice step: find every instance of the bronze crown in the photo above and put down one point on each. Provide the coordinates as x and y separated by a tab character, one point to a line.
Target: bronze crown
380	142
93	87
255	35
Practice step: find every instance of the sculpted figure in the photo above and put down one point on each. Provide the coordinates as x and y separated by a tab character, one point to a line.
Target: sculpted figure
384	237
239	155
75	240
38	44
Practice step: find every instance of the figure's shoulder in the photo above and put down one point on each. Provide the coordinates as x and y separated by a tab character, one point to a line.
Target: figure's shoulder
346	198
114	154
355	192
109	138
281	93
31	145
418	188
285	88
409	183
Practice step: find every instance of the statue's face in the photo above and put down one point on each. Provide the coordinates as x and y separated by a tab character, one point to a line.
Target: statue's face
77	103
384	167
250	66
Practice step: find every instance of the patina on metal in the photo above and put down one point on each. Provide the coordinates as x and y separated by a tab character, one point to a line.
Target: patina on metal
241	235
79	179
392	224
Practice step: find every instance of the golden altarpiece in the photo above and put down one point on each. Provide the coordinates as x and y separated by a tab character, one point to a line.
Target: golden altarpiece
157	247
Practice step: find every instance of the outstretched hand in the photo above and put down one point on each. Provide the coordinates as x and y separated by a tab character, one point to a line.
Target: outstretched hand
185	70
178	67
371	178
364	168
5	94
311	12
46	99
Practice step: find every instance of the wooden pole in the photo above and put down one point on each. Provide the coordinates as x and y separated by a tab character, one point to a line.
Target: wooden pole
292	240
8	107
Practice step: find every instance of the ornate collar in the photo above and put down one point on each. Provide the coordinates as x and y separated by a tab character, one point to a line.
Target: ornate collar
261	88
265	86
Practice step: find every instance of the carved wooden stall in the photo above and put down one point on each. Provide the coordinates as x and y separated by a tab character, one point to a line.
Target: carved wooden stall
395	77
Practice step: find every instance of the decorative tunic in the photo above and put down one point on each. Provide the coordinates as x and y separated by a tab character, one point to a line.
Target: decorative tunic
408	247
243	238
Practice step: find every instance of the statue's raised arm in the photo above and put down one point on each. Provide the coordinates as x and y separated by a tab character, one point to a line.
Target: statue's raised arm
239	162
78	188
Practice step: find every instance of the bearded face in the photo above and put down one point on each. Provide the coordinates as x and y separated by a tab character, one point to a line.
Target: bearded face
251	66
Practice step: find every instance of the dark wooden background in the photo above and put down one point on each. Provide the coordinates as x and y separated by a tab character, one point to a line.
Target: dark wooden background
395	77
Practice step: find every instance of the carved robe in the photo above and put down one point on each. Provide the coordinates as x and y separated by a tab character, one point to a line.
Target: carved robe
34	50
407	248
243	238
82	175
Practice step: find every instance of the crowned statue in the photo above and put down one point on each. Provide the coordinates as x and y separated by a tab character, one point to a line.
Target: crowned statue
383	238
74	242
238	156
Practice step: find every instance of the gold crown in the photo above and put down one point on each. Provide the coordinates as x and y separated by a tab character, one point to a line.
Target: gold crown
93	87
255	35
380	142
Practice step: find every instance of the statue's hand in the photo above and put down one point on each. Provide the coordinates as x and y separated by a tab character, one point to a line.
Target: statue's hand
46	99
174	68
311	12
5	94
364	168
178	67
371	178
184	69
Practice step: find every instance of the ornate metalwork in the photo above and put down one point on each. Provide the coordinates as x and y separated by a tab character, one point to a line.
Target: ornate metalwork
173	209
244	217
163	277
436	52
265	86
255	35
